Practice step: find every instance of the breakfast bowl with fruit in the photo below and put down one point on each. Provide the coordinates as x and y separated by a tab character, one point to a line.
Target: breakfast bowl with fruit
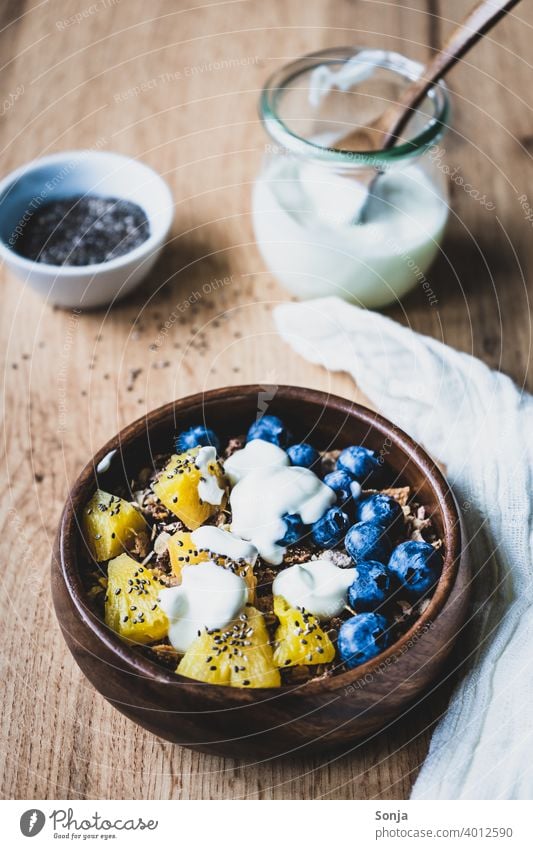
261	584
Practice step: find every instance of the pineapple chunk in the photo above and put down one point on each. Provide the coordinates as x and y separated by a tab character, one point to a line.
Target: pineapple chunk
299	637
239	656
110	524
132	608
183	552
192	486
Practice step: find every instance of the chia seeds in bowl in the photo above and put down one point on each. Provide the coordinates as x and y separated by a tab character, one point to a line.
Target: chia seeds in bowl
82	230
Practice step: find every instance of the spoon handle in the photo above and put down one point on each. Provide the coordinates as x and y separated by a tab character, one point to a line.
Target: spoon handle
479	21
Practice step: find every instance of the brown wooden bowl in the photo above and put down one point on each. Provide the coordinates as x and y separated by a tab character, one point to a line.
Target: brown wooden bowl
319	715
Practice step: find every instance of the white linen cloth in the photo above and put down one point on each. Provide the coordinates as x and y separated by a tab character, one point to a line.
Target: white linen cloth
480	425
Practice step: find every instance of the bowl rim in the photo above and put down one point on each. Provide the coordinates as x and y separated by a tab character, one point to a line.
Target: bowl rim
64	559
141	251
392	60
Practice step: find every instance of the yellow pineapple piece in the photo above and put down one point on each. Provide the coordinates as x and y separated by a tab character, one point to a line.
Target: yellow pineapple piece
183	552
245	570
110	525
299	637
238	656
192	486
131	607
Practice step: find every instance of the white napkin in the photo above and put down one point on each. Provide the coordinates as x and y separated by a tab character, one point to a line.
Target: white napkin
480	425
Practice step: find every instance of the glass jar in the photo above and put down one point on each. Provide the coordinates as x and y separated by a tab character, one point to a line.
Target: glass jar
325	223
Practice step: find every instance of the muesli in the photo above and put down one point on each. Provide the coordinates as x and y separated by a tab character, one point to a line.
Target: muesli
260	562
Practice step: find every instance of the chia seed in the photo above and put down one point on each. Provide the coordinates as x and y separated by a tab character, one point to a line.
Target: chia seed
82	230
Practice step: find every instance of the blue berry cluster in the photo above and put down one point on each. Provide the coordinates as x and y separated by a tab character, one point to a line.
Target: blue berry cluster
270	429
411	571
330	530
382	509
346	488
368	541
362	464
416	566
196	436
363	637
303	454
372	587
294	529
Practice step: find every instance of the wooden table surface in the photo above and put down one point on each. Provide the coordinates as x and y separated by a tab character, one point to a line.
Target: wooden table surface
176	84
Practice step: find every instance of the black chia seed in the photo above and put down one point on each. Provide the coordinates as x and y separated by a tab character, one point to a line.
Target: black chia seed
82	230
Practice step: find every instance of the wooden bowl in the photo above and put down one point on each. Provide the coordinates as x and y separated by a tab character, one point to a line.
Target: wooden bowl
322	714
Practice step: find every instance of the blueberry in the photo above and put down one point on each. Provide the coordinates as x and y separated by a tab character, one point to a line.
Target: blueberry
417	565
361	463
368	541
303	454
195	436
330	529
362	637
270	429
371	588
340	483
382	509
294	529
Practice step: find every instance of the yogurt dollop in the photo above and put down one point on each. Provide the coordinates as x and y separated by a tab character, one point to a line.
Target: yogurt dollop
209	489
318	586
256	454
261	499
218	541
209	596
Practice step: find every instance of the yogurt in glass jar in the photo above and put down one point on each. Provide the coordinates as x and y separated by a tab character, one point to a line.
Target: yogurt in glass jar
362	225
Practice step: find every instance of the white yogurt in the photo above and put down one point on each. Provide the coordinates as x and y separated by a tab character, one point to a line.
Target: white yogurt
218	541
105	463
209	489
209	596
262	497
256	454
303	216
318	586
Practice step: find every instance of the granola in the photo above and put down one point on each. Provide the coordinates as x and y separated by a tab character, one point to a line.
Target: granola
355	553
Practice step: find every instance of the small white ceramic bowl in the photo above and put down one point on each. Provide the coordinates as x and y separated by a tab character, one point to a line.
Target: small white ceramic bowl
80	172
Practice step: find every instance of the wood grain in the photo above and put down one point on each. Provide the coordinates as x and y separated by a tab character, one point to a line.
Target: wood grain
69	380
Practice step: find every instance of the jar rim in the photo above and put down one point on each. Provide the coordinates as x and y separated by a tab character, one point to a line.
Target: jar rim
390	60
